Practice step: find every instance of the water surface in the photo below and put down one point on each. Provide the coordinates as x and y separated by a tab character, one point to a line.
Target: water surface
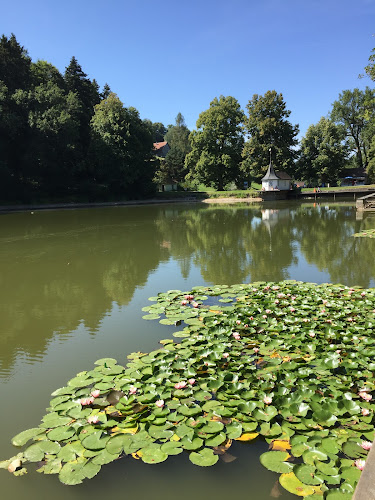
72	285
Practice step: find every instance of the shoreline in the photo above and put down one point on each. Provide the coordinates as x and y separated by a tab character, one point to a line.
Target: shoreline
153	201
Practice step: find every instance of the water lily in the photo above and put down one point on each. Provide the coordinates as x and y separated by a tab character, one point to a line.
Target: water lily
312	334
268	311
277	301
195	304
360	464
132	390
225	355
365	412
365	396
366	445
236	335
95	393
267	400
159	403
93	419
86	401
189	297
256	349
184	302
238	322
363	294
292	309
264	316
191	381
180	385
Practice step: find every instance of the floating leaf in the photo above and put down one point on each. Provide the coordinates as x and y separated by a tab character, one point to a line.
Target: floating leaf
25	436
276	461
248	436
291	483
203	458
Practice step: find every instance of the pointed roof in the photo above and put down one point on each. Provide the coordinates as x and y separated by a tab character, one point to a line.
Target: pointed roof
271	174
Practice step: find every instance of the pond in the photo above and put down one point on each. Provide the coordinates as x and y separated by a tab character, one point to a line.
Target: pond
73	284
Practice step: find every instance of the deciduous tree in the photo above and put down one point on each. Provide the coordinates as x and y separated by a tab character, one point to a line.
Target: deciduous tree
323	153
355	110
217	144
121	148
267	125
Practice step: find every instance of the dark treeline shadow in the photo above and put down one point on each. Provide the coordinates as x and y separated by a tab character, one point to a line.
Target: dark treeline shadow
61	269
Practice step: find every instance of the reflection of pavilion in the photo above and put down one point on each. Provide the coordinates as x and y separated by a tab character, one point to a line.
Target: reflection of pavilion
271	217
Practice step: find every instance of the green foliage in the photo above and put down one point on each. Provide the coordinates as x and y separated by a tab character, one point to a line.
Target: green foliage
370	68
267	125
121	147
287	362
217	144
355	111
323	154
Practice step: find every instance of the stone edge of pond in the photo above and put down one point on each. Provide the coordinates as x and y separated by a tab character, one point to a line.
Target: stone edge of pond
365	489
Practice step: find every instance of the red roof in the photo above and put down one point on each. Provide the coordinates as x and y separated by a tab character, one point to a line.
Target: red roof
159	145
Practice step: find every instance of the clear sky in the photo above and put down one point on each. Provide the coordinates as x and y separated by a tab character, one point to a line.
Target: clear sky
169	57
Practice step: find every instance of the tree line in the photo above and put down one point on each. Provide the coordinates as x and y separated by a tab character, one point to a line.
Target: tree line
62	137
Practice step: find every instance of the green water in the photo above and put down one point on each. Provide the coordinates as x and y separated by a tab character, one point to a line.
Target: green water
72	285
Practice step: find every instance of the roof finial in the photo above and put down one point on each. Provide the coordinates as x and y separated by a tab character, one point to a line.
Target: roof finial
270	150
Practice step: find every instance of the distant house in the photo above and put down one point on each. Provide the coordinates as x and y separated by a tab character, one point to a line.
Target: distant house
353	176
276	181
161	149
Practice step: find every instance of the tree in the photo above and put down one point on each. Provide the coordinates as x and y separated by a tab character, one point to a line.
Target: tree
53	119
323	153
177	135
88	94
14	133
370	68
172	167
105	92
121	148
157	129
43	72
14	64
217	144
267	125
355	110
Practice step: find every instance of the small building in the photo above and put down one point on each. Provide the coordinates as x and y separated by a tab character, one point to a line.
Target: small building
353	176
276	181
161	149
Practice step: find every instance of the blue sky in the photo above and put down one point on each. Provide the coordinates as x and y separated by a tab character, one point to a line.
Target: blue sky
169	57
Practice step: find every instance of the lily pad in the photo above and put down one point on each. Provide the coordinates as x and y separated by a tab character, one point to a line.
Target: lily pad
203	458
276	461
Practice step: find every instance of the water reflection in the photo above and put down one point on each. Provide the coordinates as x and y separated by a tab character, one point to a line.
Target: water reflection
63	269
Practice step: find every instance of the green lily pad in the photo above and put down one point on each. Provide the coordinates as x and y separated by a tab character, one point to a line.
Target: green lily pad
307	474
291	483
153	455
276	461
61	433
23	437
95	441
171	448
203	458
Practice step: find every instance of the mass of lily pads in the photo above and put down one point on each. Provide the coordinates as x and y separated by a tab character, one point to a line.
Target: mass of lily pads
291	363
365	233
